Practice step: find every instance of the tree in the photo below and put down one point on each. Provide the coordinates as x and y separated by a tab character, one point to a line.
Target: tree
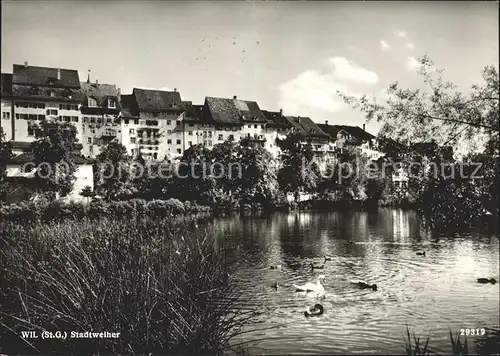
258	182
113	172
449	119
53	152
298	172
87	192
5	155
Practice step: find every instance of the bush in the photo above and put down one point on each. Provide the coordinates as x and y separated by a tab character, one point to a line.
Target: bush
56	210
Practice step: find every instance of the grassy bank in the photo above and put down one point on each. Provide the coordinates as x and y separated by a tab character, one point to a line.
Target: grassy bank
163	289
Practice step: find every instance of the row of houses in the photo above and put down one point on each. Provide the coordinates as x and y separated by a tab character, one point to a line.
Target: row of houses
155	124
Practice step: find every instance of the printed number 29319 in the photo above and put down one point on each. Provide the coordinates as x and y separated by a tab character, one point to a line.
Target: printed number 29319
472	332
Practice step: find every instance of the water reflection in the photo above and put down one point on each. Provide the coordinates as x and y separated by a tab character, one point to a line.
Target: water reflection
432	293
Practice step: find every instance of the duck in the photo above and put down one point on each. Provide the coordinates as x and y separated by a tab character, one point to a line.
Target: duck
364	285
317	310
421	253
317	267
275	285
312	287
327	258
276	267
486	280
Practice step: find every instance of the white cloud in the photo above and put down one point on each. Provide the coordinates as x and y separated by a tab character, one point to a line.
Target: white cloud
345	69
311	89
316	89
384	46
412	63
401	33
410	45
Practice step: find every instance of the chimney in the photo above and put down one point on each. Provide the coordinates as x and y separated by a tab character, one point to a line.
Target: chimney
175	89
25	64
326	122
235	97
364	127
58	74
281	112
119	91
299	119
96	82
88	76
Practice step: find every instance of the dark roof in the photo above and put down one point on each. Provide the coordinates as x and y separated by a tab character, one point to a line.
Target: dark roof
6	84
276	118
127	106
45	76
29	157
157	100
194	113
306	126
100	92
355	131
249	111
223	111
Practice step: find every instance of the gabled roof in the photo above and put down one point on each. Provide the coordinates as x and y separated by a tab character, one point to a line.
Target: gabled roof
193	113
157	100
127	106
6	84
223	111
249	111
276	118
100	92
306	126
45	76
355	131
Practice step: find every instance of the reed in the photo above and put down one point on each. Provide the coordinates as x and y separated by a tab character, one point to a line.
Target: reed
163	288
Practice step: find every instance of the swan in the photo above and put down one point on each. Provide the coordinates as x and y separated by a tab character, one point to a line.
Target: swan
486	280
315	311
312	287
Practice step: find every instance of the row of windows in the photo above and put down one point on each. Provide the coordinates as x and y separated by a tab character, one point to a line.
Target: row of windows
30	105
68	107
99	120
255	126
6	115
29	117
136	121
170	142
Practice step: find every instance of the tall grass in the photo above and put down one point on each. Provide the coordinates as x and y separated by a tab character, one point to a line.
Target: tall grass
416	348
163	289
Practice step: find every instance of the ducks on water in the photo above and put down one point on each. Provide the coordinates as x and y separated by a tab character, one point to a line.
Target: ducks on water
313	267
312	287
364	285
486	280
317	310
275	285
276	267
327	258
421	253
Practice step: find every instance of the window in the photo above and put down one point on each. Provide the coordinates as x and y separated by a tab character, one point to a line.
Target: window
191	125
155	155
142	122
51	112
255	126
231	137
261	126
178	123
31	131
190	133
89	139
179	150
178	142
168	122
136	122
126	121
92	120
210	143
190	143
74	118
91	102
111	104
221	137
169	132
169	142
6	115
249	126
41	117
52	93
132	131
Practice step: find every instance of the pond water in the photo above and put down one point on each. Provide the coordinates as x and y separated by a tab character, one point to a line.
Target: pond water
432	294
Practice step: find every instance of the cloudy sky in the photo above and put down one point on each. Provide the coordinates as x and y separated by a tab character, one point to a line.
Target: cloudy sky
290	55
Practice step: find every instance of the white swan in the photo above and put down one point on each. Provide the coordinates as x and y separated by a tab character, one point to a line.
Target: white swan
312	287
